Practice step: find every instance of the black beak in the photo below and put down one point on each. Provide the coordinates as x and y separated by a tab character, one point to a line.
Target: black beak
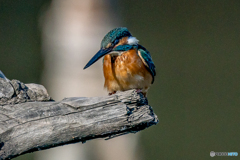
98	55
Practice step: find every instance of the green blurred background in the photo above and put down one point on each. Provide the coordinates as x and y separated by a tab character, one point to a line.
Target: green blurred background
195	46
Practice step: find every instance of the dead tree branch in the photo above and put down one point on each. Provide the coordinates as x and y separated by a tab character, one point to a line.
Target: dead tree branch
30	120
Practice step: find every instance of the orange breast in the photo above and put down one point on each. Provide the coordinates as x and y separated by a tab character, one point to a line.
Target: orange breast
125	72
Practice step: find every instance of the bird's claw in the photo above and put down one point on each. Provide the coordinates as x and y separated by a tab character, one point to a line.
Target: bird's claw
138	90
112	93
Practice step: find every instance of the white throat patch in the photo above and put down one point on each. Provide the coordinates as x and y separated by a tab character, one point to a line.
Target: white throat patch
132	40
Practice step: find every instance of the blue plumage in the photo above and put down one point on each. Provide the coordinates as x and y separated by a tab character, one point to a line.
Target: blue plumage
126	64
125	47
147	60
114	36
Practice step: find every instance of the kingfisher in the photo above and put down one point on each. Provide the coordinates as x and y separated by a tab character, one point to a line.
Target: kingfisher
126	64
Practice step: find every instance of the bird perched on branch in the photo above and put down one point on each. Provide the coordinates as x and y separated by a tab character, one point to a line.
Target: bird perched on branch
126	64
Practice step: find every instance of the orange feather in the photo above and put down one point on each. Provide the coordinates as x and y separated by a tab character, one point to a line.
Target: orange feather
126	71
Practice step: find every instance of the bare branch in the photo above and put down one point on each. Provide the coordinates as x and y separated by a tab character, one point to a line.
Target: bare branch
30	120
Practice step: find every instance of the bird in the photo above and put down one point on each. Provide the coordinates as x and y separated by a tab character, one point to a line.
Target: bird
126	64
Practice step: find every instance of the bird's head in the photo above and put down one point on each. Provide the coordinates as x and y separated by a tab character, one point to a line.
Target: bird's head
116	41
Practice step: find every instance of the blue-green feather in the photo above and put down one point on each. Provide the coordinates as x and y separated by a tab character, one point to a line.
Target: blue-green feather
125	47
122	48
148	60
114	35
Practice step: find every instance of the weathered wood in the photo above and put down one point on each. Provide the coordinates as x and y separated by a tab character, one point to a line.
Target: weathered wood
30	120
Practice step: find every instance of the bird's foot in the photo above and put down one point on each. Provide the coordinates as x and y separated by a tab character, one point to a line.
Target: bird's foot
112	93
139	90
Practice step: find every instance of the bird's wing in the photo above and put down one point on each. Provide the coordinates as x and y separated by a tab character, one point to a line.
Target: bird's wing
147	60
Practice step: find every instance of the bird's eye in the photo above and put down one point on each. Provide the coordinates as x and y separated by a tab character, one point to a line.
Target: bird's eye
116	41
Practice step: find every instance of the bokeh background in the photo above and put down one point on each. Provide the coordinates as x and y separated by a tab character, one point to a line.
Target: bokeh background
195	46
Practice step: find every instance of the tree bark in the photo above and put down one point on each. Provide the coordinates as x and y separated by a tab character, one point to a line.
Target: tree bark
30	120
